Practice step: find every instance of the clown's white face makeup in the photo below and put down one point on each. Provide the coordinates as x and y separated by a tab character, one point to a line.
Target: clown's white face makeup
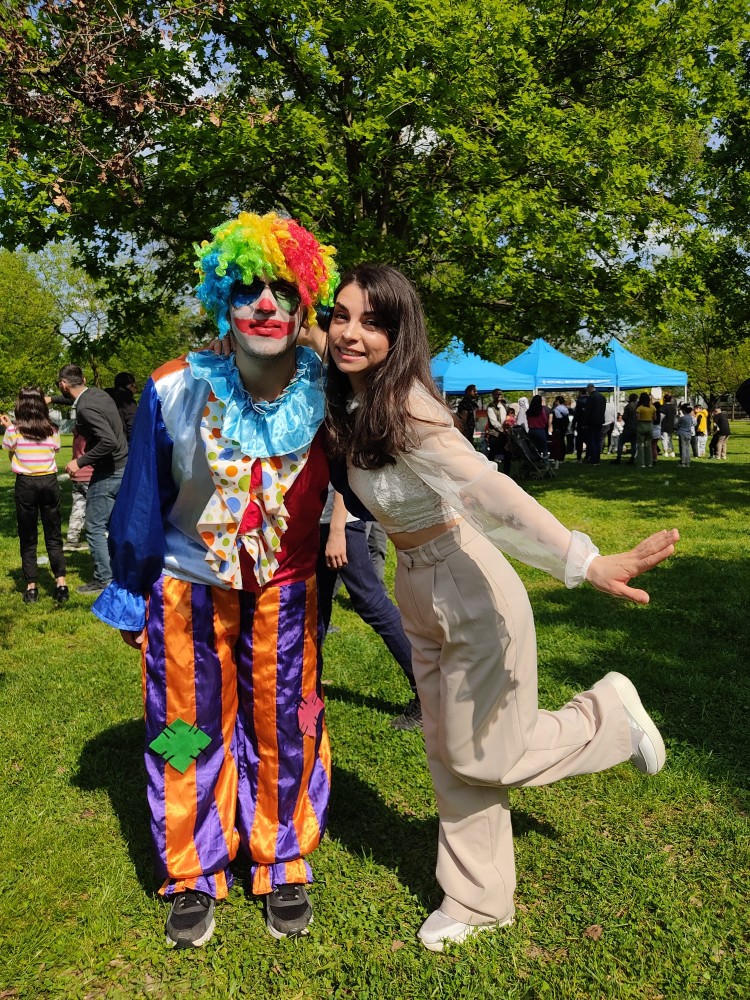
265	318
356	343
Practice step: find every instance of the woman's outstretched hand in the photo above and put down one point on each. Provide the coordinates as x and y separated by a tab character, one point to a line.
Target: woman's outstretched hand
612	574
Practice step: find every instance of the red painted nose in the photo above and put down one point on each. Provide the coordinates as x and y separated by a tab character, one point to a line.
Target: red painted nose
266	303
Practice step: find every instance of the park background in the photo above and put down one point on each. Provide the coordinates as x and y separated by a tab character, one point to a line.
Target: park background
574	172
628	886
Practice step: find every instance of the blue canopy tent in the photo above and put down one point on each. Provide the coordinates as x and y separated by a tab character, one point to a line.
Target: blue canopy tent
455	368
631	372
550	369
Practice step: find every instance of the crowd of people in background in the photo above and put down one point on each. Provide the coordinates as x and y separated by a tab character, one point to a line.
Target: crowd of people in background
558	426
588	426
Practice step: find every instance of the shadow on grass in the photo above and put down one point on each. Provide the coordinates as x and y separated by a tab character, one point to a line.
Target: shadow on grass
113	761
359	819
685	653
365	825
705	488
335	692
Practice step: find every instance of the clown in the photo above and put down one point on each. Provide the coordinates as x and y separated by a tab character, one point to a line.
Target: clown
214	541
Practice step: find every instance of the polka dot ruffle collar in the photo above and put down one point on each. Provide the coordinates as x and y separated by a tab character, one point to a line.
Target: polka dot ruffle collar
247	508
260	429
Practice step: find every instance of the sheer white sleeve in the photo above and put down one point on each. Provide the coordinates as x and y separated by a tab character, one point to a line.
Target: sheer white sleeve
489	500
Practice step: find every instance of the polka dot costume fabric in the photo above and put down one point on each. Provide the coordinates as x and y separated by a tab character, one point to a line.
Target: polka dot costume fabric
236	489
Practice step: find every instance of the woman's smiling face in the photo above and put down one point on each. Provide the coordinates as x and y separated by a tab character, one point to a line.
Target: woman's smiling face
357	345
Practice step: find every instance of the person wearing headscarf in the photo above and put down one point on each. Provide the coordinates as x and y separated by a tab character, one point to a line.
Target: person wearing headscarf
521	409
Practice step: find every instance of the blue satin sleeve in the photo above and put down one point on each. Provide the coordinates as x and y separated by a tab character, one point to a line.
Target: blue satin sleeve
136	530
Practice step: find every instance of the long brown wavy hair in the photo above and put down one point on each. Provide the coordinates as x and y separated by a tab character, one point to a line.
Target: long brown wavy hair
378	428
31	417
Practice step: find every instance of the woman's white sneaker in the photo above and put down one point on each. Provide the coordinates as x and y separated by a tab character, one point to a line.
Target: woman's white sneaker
648	746
439	929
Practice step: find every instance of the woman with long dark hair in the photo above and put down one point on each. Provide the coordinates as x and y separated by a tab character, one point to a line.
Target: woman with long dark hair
448	511
33	441
560	424
538	419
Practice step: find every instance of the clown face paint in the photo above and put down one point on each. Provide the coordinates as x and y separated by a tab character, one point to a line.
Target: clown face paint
286	295
265	318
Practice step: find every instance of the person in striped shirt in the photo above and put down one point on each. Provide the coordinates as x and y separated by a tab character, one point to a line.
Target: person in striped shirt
33	441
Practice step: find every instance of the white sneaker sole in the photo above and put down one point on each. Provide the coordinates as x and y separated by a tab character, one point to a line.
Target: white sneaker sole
629	697
462	932
198	943
280	935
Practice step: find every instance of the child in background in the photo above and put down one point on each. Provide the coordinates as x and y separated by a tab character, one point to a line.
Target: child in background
79	482
701	429
685	431
33	441
617	430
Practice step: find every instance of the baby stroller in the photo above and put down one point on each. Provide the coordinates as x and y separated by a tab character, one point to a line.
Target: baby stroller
533	465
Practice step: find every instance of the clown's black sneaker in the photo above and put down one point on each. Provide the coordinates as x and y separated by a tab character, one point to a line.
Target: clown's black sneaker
410	718
190	923
288	911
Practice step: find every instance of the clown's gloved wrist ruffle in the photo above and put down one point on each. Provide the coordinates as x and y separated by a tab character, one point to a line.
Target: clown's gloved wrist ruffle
121	608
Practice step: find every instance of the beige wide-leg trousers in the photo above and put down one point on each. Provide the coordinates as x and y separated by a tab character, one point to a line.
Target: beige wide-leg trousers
468	617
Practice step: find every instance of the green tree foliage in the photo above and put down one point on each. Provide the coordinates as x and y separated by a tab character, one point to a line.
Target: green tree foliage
694	339
519	160
727	159
85	307
707	271
80	302
176	332
30	344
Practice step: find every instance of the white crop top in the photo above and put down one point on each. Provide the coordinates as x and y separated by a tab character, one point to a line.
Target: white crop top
442	476
398	498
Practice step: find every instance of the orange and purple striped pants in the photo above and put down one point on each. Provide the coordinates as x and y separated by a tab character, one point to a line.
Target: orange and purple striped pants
241	667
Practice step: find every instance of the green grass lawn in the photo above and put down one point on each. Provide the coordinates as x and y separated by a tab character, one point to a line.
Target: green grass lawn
628	887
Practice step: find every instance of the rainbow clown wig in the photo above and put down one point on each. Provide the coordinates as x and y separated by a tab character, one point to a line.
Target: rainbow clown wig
268	247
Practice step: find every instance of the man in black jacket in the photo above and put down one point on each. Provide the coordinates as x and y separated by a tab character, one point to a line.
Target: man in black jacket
718	447
669	418
595	411
123	394
579	424
466	412
98	422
